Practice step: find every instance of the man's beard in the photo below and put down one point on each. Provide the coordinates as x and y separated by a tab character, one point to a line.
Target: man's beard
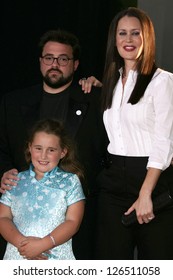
62	81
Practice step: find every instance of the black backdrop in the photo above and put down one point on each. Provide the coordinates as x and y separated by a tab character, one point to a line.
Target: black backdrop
23	22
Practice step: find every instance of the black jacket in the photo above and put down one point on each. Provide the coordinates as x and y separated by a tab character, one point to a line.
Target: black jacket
21	108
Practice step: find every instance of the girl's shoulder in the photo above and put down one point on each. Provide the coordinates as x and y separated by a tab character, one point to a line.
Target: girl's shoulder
63	179
23	174
64	175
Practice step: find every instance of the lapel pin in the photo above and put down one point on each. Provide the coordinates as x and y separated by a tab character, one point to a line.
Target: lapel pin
78	112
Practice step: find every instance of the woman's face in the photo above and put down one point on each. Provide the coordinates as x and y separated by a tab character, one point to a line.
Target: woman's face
129	39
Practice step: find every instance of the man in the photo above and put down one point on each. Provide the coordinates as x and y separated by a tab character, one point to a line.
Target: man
61	98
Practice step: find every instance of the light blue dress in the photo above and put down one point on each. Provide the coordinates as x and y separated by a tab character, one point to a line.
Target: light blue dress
38	207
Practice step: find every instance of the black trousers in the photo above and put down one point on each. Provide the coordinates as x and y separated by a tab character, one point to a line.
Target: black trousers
119	186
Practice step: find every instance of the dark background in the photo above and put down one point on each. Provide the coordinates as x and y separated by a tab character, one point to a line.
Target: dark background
23	22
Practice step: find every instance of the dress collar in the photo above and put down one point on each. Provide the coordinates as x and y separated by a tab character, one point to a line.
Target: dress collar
49	174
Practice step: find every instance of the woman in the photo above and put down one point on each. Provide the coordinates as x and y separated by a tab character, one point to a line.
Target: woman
137	103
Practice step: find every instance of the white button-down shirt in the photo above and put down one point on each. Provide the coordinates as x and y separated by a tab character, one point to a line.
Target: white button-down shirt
146	128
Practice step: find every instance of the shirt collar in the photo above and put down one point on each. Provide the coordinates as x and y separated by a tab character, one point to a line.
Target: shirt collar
131	72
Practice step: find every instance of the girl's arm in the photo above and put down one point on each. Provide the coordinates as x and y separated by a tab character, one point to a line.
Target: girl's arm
7	228
62	233
9	231
143	205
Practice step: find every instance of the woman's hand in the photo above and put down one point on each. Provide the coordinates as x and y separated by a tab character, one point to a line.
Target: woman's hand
87	83
8	180
144	205
144	209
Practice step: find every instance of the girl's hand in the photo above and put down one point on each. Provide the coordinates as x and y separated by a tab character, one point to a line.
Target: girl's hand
41	257
31	249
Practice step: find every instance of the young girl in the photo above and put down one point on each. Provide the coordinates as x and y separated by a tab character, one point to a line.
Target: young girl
40	215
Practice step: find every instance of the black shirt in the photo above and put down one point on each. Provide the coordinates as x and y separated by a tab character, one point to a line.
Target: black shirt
54	105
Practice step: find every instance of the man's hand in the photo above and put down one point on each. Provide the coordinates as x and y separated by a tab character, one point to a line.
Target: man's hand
8	180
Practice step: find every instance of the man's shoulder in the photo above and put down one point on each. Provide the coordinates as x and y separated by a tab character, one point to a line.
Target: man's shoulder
76	91
23	92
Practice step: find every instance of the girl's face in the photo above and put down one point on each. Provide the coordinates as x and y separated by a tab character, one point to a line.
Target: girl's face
129	39
45	153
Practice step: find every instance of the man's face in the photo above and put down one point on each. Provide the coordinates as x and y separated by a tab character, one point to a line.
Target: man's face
57	76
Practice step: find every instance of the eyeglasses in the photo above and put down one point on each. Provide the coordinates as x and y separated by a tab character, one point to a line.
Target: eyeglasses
62	60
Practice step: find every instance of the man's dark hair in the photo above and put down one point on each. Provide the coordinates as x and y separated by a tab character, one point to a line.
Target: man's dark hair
63	37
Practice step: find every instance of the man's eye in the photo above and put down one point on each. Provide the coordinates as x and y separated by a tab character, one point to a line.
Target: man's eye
63	58
48	57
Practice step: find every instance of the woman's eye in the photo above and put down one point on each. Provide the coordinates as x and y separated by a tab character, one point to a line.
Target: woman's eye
136	33
122	33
